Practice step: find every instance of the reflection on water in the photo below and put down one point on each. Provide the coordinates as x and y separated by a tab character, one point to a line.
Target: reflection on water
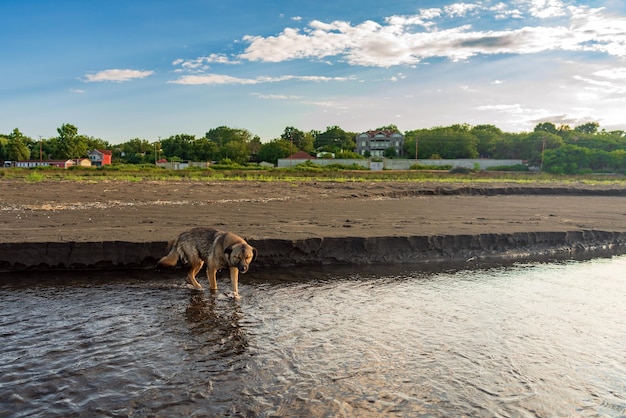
527	340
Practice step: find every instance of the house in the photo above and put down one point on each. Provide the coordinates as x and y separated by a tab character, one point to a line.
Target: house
100	157
82	162
374	143
40	163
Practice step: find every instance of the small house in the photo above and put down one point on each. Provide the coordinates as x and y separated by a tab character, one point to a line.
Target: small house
100	157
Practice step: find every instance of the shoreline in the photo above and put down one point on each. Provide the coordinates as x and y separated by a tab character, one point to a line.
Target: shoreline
443	251
54	225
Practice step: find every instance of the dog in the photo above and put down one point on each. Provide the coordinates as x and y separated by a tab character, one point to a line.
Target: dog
217	249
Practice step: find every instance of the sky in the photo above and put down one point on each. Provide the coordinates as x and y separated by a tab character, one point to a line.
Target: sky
150	69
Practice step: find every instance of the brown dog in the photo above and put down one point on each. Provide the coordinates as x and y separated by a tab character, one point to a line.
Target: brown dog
218	249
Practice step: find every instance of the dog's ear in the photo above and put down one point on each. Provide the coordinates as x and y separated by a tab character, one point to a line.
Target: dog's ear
228	251
254	253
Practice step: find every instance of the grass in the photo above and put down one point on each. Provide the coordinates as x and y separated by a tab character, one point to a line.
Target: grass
150	173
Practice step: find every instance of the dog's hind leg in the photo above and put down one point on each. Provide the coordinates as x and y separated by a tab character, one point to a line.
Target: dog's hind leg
196	265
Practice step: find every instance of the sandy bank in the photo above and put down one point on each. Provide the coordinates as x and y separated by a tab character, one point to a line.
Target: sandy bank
52	225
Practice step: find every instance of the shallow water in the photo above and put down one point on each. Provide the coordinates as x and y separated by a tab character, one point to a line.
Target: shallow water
526	340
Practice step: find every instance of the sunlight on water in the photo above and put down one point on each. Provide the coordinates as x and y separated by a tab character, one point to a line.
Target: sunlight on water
528	340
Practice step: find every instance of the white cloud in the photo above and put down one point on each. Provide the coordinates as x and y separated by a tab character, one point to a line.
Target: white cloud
547	8
217	79
117	75
460	9
211	79
201	64
277	96
408	40
612	73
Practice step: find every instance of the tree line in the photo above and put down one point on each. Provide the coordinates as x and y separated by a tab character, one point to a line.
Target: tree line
557	149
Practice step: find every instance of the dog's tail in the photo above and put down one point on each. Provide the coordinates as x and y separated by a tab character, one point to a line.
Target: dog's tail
171	259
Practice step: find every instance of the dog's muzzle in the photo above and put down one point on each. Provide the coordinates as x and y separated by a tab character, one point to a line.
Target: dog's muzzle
242	268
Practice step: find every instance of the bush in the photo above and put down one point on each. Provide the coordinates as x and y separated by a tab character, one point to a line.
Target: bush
430	167
460	170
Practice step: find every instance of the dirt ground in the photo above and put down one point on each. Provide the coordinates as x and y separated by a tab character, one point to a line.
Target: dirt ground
67	211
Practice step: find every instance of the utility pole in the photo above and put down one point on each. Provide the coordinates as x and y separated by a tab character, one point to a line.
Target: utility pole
416	150
543	148
40	150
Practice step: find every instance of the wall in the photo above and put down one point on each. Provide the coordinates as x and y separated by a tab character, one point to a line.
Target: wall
405	164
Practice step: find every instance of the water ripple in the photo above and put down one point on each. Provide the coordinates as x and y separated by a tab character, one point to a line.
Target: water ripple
530	340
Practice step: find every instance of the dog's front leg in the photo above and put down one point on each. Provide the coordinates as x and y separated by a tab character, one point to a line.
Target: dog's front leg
234	281
211	273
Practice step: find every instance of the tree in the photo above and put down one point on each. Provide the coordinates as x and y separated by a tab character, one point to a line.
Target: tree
236	151
334	139
546	127
568	159
390	127
588	128
488	137
69	144
206	150
300	140
179	147
533	145
222	135
448	142
390	152
16	147
272	151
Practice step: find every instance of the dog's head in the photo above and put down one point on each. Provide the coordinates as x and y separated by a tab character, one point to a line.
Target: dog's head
240	255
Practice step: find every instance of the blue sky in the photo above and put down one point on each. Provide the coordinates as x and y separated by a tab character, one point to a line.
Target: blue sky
119	70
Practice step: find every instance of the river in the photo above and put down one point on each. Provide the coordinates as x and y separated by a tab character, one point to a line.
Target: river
524	340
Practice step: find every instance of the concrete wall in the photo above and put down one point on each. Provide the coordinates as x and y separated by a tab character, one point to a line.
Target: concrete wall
405	164
286	162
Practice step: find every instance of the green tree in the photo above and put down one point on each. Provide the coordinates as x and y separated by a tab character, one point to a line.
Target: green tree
568	159
16	147
222	135
334	139
273	150
254	146
533	145
231	143
236	151
206	150
546	127
618	161
488	138
136	151
390	152
179	147
390	127
588	128
299	139
451	142
69	144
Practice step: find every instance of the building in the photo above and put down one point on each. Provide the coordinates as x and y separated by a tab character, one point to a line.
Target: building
40	163
100	157
374	143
